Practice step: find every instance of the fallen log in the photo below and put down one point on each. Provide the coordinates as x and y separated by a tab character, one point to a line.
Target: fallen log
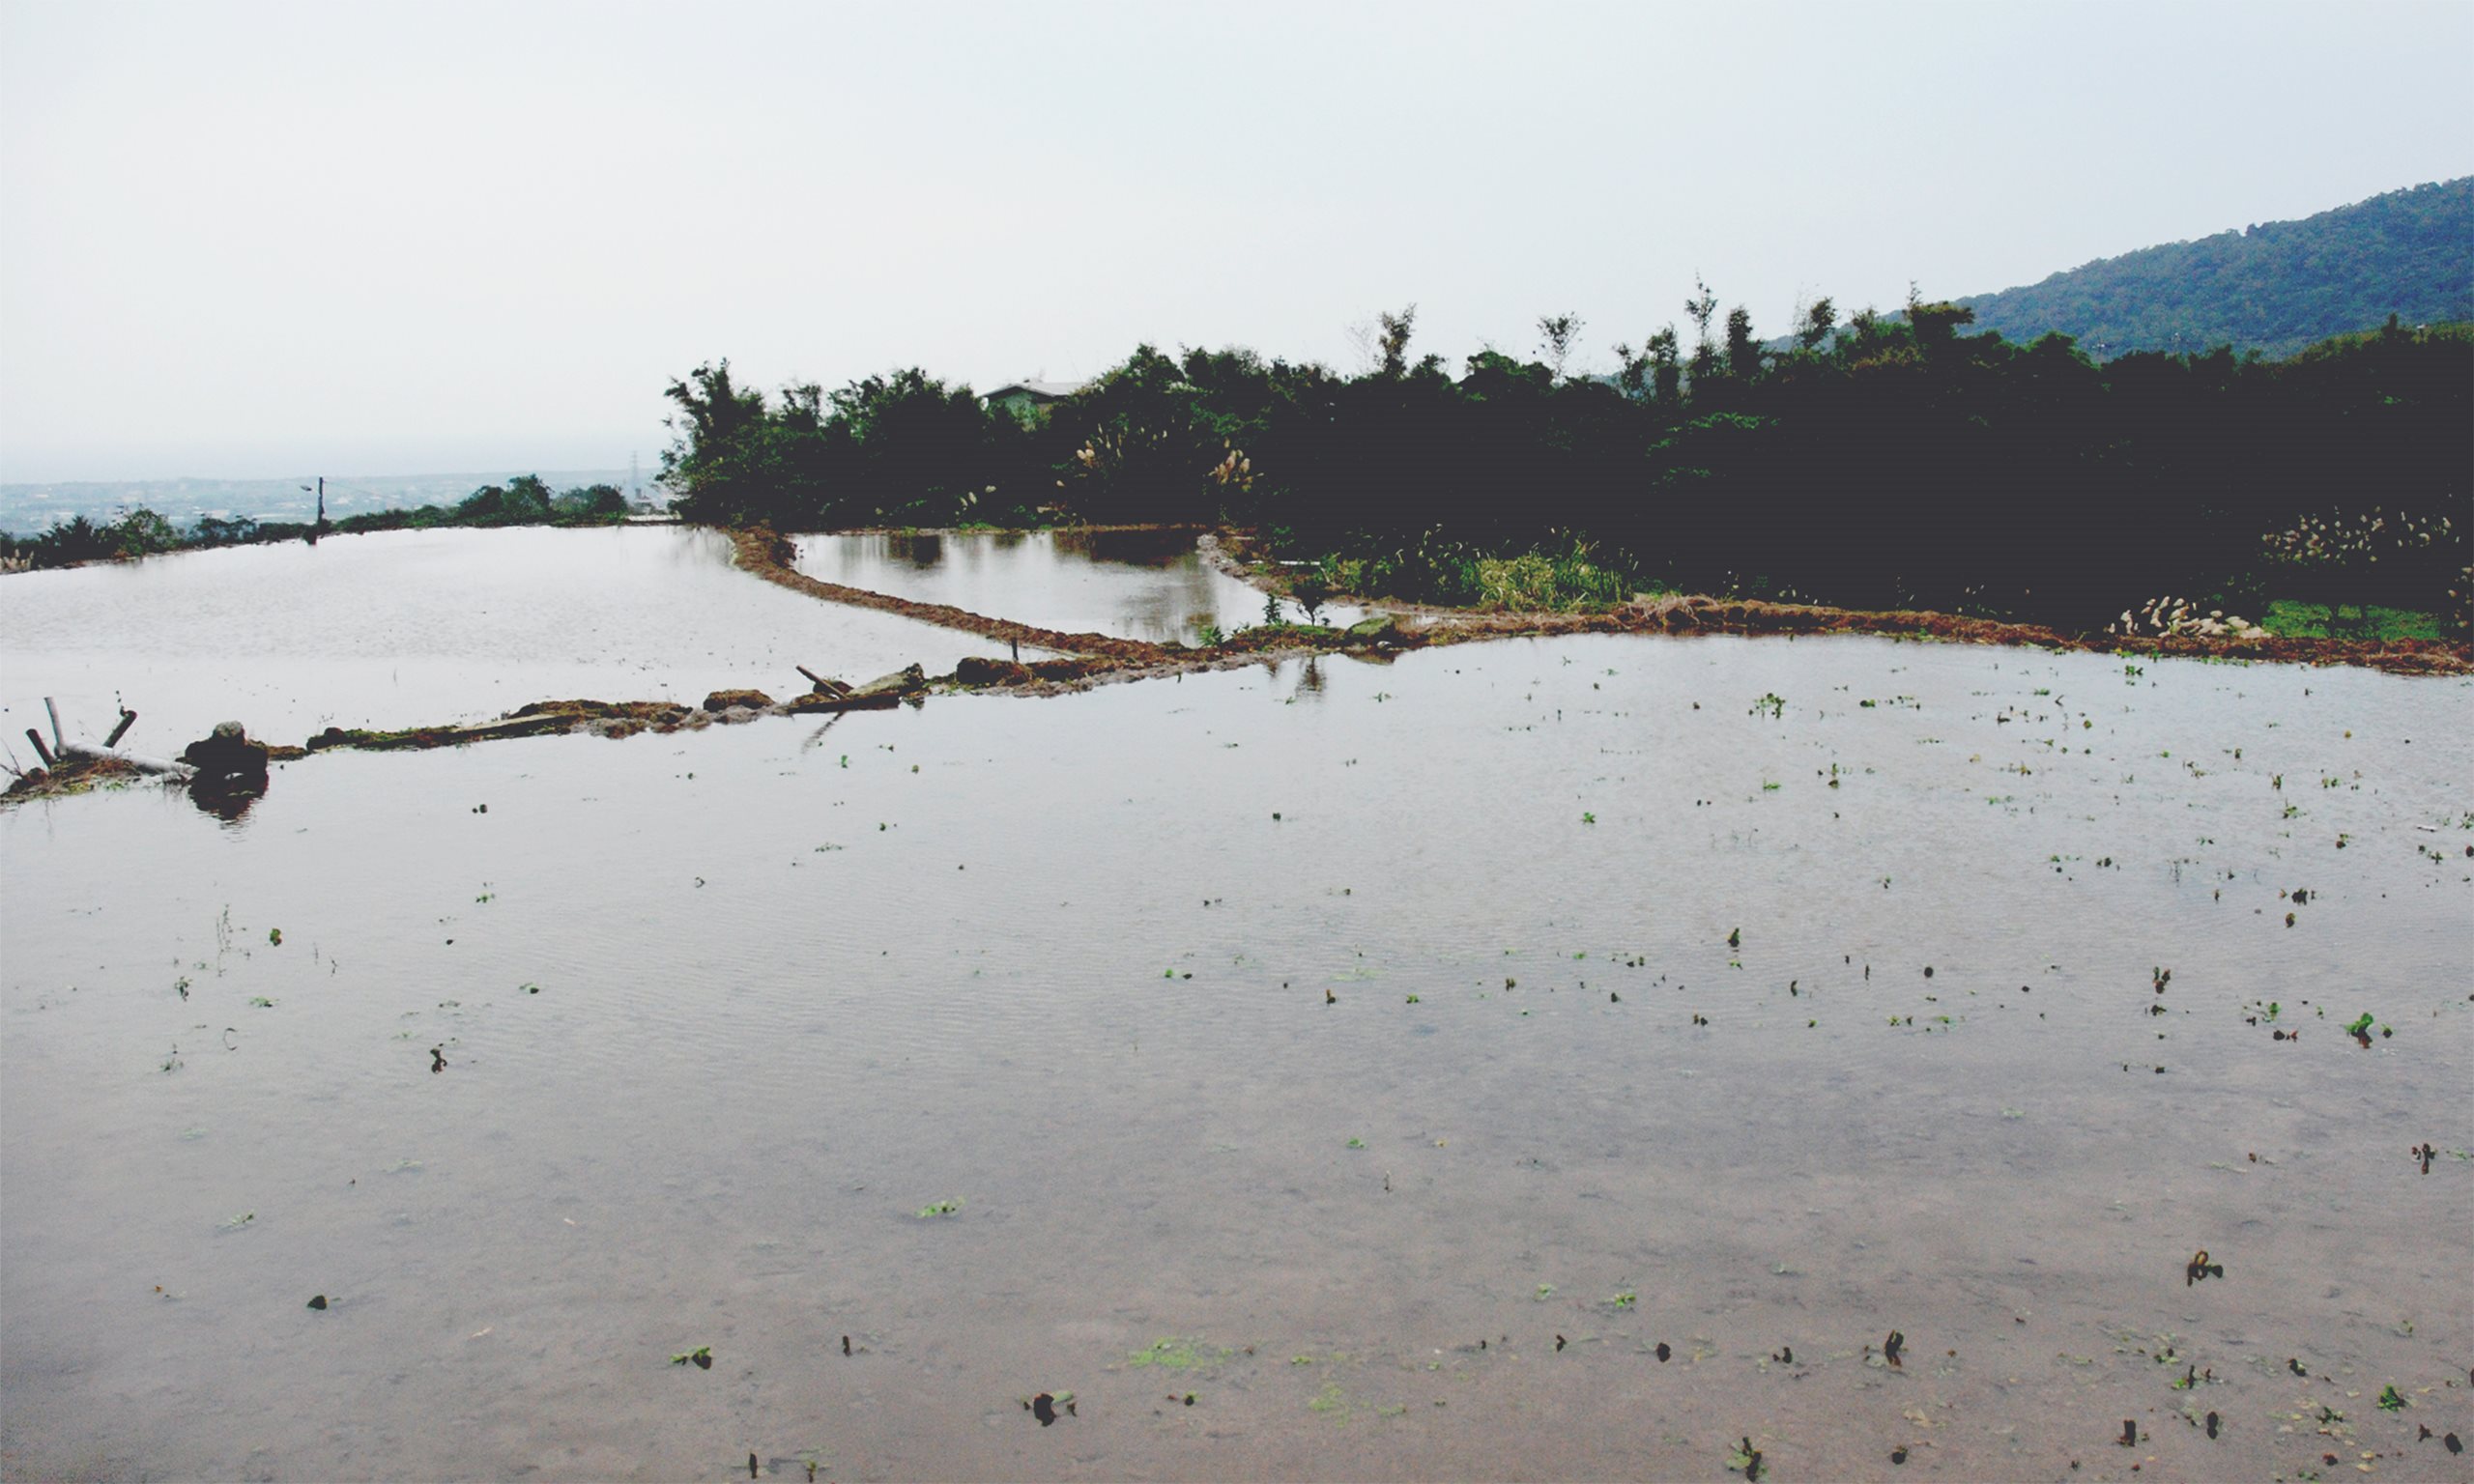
79	751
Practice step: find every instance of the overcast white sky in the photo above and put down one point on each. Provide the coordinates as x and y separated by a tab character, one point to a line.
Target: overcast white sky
243	240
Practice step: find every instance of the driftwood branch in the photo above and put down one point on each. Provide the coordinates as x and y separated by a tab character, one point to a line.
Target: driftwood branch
163	766
823	686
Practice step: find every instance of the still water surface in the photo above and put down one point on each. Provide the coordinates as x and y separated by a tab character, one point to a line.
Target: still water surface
1363	1032
1148	585
410	628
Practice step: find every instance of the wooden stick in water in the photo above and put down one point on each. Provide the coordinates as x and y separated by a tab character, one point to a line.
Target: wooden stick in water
163	766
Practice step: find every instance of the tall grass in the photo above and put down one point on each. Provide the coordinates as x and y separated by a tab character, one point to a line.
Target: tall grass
1566	573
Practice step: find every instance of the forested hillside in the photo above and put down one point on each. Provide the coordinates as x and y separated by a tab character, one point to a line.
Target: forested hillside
2275	287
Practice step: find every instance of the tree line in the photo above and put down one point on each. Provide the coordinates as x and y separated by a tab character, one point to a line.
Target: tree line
1882	460
522	501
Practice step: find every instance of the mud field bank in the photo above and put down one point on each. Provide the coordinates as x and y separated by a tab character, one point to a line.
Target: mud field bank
1085	658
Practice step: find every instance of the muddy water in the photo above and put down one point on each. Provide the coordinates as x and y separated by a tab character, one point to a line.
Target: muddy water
1148	585
407	628
796	987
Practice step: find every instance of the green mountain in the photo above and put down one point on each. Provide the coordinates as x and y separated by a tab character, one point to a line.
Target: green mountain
2275	287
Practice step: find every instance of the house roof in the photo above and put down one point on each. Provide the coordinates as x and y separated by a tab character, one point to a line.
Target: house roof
1047	391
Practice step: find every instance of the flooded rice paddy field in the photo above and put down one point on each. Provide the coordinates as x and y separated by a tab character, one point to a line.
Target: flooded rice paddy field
411	628
1330	1070
1146	583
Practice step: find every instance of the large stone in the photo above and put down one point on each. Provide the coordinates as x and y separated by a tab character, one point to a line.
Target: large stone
227	759
977	670
723	701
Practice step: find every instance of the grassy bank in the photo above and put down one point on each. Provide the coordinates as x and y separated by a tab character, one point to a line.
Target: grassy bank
2349	621
1565	576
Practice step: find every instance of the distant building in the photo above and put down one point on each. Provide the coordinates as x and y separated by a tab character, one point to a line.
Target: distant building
1029	401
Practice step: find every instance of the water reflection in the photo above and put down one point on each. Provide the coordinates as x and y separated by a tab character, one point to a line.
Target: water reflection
1150	584
228	803
921	549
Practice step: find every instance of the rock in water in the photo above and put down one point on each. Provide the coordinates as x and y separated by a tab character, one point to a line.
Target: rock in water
975	671
228	762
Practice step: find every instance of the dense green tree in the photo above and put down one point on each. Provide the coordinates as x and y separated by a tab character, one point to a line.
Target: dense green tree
1821	319
1898	459
1558	335
722	466
142	532
1701	306
1666	366
1743	353
1395	341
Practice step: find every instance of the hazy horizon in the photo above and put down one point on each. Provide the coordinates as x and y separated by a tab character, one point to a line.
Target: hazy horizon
245	239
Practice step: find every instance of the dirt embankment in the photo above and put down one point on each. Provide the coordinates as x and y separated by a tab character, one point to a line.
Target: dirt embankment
1231	552
1097	659
68	776
1701	615
771	556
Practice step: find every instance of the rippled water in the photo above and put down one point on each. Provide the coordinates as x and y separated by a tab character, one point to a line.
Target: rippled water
1149	585
1274	1014
409	628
